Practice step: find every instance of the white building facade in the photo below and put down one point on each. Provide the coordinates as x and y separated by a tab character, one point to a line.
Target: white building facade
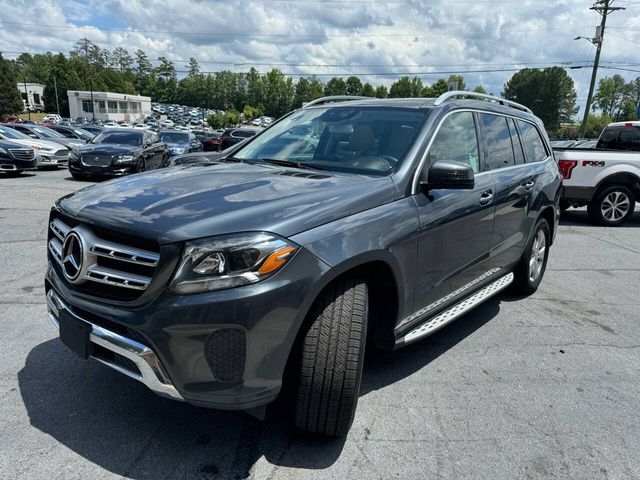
32	96
108	105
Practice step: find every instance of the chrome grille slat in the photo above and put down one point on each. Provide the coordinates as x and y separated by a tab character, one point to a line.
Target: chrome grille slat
117	253
22	154
117	278
96	160
126	254
59	229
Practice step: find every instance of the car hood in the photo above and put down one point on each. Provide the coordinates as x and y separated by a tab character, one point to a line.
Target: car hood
106	149
182	203
31	142
67	142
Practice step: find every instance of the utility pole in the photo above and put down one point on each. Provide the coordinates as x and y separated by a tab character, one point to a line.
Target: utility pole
26	96
55	87
603	7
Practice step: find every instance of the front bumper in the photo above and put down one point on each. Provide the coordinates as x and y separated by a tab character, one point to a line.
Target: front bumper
112	170
143	364
50	159
178	330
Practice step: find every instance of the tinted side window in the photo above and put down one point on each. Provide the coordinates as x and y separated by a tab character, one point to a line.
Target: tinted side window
534	148
65	132
629	139
497	141
456	140
518	153
608	138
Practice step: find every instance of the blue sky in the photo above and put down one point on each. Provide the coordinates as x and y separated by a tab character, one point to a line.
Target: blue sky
379	40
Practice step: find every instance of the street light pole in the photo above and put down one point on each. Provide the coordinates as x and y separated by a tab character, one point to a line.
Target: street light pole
93	110
603	7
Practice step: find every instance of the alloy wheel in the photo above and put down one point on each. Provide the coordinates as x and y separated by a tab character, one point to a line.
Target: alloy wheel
538	252
615	206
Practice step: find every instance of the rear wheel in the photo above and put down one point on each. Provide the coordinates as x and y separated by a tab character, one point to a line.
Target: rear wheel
332	355
529	272
612	206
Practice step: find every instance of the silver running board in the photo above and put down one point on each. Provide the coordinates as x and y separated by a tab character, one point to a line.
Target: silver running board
456	311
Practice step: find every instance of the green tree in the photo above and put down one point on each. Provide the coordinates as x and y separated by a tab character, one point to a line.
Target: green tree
458	80
595	125
279	93
435	90
316	88
549	93
381	91
353	86
193	67
302	94
66	79
611	95
480	89
335	86
10	99
122	60
368	90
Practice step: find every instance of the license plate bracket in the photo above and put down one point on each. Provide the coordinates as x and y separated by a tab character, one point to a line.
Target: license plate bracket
75	334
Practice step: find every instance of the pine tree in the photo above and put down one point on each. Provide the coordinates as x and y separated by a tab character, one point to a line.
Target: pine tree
10	99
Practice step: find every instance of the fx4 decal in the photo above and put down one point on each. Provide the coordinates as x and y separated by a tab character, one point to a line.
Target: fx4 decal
592	163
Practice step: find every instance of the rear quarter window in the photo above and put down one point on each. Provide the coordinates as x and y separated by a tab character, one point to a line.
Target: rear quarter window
534	148
497	141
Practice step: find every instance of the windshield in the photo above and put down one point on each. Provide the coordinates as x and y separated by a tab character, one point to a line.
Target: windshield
85	135
47	132
174	137
11	133
121	138
369	140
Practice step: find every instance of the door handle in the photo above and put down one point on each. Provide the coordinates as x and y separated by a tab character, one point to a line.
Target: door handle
528	185
486	197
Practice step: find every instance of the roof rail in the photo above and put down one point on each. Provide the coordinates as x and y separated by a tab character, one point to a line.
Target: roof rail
334	98
478	96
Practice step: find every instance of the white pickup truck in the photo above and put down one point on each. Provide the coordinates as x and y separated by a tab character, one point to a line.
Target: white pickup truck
605	179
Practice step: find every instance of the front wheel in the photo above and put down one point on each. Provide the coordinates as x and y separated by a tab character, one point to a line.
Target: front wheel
529	272
332	355
140	166
612	206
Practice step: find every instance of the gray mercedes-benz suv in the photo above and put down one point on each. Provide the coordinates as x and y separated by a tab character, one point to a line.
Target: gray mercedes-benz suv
345	221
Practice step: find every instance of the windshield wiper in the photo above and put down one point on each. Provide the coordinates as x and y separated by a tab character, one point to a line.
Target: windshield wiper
230	158
290	163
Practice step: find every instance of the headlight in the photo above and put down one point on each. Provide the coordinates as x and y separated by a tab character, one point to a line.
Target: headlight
3	151
178	150
124	158
230	261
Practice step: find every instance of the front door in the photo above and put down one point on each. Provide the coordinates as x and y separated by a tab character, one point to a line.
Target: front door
455	225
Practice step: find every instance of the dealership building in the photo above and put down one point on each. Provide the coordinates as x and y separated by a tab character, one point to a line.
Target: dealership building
108	105
32	94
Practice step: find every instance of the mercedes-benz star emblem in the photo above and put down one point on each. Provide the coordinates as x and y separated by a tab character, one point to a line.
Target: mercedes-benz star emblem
72	256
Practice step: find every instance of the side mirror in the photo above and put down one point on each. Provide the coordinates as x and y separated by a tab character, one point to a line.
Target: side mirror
448	175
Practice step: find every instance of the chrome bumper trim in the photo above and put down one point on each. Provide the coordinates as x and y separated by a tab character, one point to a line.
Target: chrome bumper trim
150	370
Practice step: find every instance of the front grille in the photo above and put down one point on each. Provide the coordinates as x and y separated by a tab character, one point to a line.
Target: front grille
61	153
22	154
96	160
111	270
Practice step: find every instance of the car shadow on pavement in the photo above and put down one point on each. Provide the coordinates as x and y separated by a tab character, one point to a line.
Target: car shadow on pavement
580	218
382	368
118	424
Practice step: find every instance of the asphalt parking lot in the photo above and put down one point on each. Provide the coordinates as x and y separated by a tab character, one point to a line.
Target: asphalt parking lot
541	387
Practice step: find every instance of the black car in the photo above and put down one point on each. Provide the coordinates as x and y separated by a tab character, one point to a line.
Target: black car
16	158
374	221
117	152
232	136
204	157
94	129
45	133
73	132
179	141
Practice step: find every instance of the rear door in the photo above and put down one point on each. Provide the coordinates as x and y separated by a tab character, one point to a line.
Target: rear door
514	183
455	225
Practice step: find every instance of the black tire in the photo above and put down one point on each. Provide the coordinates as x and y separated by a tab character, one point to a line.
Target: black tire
564	205
78	176
621	201
332	356
140	166
523	282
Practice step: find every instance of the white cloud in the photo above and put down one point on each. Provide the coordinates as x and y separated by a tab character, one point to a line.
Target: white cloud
396	36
